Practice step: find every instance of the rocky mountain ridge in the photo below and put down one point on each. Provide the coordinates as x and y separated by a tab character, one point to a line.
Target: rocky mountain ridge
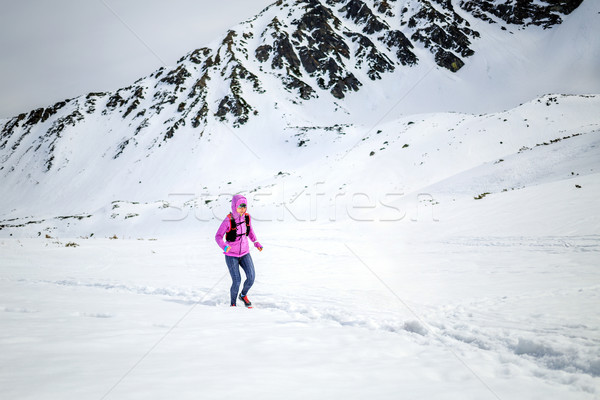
323	49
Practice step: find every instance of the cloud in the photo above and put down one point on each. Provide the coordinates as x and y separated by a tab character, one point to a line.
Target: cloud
62	49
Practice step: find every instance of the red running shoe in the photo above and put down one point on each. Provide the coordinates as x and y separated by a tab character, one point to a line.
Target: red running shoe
247	302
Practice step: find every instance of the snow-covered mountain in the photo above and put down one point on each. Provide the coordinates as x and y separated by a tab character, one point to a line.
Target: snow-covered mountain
312	48
234	115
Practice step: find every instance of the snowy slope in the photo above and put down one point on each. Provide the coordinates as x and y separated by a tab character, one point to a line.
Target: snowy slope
444	157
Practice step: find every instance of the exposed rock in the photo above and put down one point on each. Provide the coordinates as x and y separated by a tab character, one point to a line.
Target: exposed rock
398	40
197	56
236	106
305	91
9	127
135	100
377	62
42	114
200	117
263	52
384	7
234	103
171	130
442	33
114	101
323	52
177	76
199	88
55	131
448	60
544	13
344	85
198	95
121	148
284	55
142	125
358	12
90	103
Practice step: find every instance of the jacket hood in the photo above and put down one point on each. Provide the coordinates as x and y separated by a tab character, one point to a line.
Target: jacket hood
237	200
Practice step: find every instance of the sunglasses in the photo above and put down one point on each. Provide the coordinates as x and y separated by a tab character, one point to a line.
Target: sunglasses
243	205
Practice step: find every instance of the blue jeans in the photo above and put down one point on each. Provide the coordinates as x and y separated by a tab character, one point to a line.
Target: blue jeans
233	263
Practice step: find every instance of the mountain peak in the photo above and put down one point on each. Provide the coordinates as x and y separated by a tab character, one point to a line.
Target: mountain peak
293	53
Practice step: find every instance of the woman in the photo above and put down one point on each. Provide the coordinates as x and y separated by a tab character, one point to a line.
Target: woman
237	228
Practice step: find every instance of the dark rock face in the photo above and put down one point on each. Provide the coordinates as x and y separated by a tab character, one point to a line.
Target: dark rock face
544	13
448	60
447	34
177	77
18	128
234	102
323	51
197	56
134	101
367	52
284	56
319	47
235	106
396	40
285	62
8	129
54	133
360	13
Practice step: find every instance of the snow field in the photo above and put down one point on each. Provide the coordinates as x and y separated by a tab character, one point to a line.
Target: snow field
337	313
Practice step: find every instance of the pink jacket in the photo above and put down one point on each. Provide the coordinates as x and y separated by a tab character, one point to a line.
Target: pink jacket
240	247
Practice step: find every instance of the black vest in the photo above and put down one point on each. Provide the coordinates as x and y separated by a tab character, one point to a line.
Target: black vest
231	234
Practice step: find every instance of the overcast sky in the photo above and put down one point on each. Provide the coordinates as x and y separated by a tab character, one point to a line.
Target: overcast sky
53	50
